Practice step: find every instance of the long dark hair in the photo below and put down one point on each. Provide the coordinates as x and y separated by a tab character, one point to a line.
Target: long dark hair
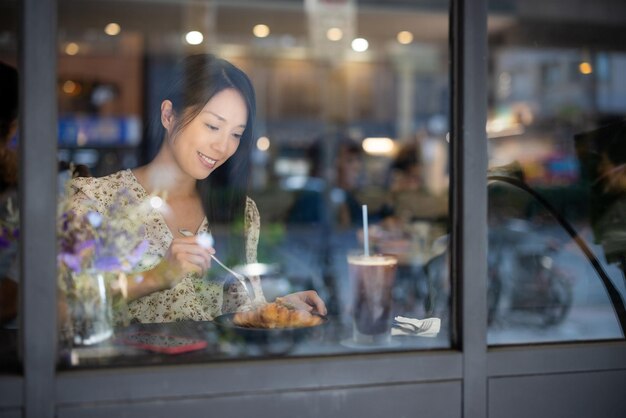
197	79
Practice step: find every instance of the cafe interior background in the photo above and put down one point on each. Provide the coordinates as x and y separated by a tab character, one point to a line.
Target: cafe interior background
354	104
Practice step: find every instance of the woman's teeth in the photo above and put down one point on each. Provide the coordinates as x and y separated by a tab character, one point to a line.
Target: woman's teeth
206	159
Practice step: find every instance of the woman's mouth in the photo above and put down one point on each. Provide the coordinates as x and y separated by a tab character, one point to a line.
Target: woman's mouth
206	161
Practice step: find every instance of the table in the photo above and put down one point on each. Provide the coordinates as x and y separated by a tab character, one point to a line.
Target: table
325	340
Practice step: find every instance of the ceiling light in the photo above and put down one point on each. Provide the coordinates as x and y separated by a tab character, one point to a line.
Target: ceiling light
71	88
334	34
72	48
585	68
194	37
404	37
378	145
261	31
112	29
360	44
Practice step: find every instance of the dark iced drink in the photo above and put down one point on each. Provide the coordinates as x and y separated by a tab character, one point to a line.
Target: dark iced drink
372	278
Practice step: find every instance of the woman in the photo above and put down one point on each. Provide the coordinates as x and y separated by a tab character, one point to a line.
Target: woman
202	167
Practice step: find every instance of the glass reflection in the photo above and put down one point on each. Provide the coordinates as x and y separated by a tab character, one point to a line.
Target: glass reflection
335	129
556	145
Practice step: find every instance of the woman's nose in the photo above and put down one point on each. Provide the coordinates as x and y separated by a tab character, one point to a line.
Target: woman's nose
220	143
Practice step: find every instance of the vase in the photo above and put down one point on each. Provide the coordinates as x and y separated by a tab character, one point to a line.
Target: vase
90	307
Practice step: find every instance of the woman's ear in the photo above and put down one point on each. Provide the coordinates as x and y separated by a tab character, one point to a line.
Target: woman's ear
167	115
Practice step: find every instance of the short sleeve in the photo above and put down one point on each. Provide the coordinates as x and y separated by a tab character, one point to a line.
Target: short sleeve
80	199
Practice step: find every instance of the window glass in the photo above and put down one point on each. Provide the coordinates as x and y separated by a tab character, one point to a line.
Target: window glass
557	144
202	224
9	211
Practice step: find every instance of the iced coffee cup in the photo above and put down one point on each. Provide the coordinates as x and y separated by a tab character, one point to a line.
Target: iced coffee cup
371	278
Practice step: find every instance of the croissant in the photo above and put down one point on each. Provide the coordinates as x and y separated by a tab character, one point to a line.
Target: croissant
278	314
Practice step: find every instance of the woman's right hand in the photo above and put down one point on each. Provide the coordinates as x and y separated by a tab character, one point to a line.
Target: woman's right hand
185	255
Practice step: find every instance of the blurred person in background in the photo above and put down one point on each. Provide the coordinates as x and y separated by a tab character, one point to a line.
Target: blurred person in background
309	206
405	173
404	184
349	169
405	178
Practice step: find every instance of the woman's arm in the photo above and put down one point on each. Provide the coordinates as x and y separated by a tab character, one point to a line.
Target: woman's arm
185	255
142	284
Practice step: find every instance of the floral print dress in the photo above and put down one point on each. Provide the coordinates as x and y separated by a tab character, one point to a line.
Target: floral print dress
194	297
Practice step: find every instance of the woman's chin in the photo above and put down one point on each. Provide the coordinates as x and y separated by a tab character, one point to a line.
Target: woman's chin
203	174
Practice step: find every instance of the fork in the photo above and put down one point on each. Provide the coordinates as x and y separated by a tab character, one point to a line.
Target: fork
423	327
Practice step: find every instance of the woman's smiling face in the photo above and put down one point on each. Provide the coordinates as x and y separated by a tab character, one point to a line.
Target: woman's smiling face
213	136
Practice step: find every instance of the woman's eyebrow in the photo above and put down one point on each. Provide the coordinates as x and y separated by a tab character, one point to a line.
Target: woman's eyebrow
222	118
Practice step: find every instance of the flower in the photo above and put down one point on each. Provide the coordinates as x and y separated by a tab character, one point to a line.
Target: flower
112	241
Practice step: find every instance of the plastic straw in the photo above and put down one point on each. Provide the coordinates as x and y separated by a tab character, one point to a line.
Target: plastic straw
366	242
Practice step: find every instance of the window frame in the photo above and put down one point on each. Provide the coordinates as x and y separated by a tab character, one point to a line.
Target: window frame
42	390
38	172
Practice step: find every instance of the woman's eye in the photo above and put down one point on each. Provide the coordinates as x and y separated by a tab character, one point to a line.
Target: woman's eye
211	127
237	136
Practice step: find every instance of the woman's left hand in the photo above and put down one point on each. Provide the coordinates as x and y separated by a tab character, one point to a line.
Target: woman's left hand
307	300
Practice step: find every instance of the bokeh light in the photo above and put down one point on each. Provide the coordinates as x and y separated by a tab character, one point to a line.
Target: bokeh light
360	44
263	143
334	34
194	37
404	37
585	68
72	48
112	29
261	31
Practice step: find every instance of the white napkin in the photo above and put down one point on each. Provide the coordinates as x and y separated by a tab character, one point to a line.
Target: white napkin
428	327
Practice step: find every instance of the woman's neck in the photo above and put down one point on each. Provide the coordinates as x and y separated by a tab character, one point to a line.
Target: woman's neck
162	174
